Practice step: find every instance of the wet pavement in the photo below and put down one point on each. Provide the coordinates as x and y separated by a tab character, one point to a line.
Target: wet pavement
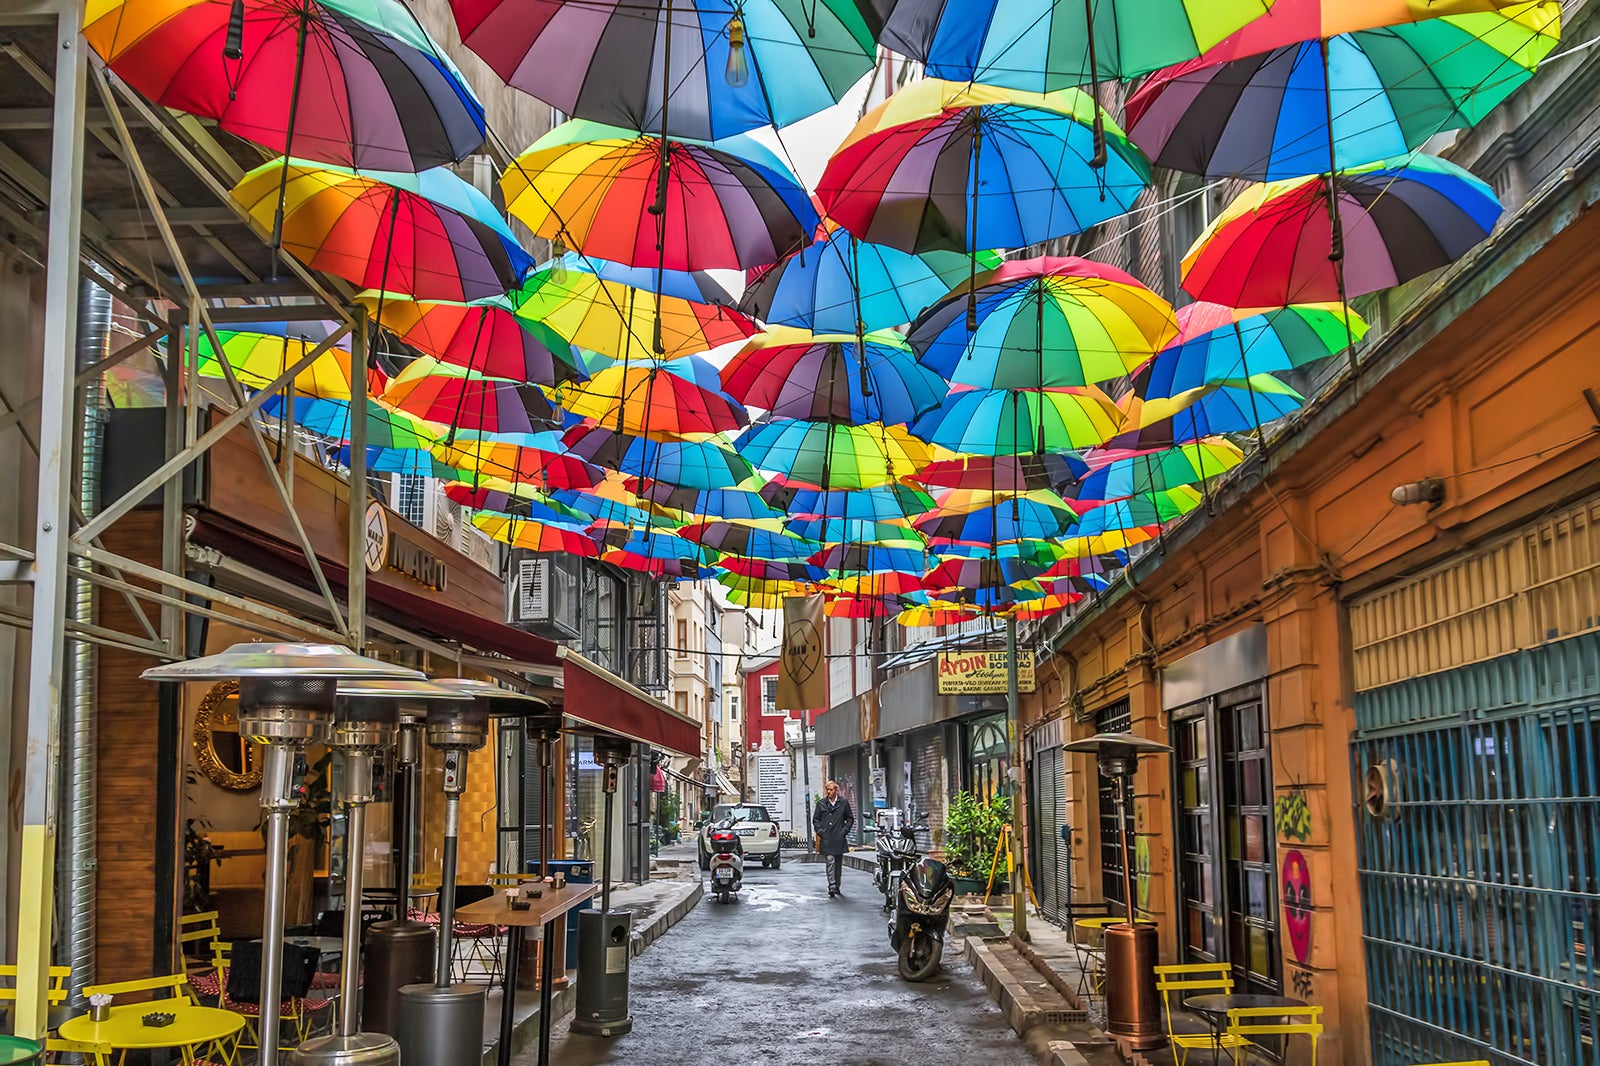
785	975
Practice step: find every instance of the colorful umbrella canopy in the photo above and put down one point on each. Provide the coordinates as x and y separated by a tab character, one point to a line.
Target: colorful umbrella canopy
829	377
1021	421
1221	407
429	235
386	427
861	607
871	559
959	167
731	65
1383	92
1274	245
885	583
612	309
467	400
1292	21
1187	464
536	536
134	386
937	614
1004	473
510	498
259	354
483	335
597	188
1030	517
733	505
824	455
1040	554
356	83
415	462
709	464
539	459
980	571
1218	343
751	542
746	571
656	552
882	503
649	400
840	280
1042	45
853	530
1137	512
1043	323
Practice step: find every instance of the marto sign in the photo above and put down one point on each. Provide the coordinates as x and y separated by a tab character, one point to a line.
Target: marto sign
981	673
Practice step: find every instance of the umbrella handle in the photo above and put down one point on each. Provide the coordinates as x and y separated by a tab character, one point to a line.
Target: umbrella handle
1098	162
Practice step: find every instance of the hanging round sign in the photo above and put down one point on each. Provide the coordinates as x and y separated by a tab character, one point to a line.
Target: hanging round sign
377	524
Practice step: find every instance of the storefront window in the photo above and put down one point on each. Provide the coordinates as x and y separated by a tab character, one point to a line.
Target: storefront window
987	756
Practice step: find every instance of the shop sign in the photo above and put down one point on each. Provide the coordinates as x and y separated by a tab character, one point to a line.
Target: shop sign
377	525
420	566
976	673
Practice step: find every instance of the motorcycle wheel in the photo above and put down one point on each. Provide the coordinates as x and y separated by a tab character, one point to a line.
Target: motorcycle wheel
919	958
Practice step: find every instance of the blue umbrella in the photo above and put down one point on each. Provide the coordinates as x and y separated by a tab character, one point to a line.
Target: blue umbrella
853	530
881	503
1217	343
416	462
825	286
708	464
1224	407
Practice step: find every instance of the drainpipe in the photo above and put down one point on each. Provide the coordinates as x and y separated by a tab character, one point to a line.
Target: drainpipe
75	855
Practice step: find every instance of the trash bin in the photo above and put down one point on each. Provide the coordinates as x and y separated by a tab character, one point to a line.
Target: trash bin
577	872
15	1050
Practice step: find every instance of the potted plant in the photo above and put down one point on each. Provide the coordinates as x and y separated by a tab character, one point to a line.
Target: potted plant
972	830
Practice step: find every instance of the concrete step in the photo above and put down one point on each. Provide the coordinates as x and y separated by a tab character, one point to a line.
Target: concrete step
1055	1031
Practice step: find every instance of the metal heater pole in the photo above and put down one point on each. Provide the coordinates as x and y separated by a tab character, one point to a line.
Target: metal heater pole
611	803
546	823
358	788
447	875
277	768
1122	834
1019	894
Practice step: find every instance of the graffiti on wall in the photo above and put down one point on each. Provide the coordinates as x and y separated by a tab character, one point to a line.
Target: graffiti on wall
1297	903
1291	815
1300	981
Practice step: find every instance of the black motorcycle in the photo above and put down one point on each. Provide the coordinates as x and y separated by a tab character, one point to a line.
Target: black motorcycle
921	913
896	850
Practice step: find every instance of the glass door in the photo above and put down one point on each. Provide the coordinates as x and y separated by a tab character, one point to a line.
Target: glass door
1225	838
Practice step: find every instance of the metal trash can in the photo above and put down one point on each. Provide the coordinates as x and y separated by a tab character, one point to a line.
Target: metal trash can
577	872
15	1050
604	950
398	954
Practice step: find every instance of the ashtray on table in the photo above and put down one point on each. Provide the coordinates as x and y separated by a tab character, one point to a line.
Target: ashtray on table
520	905
157	1019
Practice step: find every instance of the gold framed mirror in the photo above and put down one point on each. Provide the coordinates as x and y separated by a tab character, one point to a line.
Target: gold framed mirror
228	759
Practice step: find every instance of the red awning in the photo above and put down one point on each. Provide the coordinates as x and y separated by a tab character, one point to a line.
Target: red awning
421	613
596	697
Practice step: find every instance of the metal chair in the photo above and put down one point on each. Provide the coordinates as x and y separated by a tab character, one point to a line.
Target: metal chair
91	1051
298	1006
203	929
1249	1025
1088	941
55	995
1188	979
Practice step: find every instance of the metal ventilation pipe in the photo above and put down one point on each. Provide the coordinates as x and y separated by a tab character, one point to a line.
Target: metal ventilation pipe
76	855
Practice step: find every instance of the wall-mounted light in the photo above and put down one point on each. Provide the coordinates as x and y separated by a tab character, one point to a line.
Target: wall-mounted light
1429	490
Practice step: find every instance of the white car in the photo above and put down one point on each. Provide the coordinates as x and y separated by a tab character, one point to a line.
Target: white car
758	833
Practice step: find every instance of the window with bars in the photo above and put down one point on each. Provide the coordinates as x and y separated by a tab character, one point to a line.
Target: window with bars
411	498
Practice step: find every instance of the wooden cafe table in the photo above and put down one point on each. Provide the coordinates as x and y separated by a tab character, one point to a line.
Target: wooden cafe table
541	913
192	1027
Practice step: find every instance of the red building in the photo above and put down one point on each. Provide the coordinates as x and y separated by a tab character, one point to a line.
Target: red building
762	718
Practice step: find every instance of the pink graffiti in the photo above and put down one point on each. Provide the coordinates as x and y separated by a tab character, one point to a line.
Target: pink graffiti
1297	903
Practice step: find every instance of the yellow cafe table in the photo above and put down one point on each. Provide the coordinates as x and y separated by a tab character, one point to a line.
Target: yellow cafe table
192	1027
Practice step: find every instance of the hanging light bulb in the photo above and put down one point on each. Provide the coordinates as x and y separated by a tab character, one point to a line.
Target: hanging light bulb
737	71
558	261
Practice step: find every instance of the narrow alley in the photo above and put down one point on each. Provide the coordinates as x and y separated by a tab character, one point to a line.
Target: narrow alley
786	975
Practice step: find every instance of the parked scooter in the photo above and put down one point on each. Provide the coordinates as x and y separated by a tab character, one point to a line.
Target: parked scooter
896	849
727	861
921	913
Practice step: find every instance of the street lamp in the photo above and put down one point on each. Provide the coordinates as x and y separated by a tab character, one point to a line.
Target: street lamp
287	698
366	723
1131	949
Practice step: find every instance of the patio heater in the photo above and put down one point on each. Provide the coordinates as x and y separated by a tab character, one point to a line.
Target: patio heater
287	696
443	1022
399	952
1133	1010
366	723
603	935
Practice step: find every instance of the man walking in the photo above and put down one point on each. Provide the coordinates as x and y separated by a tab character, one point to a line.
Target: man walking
832	823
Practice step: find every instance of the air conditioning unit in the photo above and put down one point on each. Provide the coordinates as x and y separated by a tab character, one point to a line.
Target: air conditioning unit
545	598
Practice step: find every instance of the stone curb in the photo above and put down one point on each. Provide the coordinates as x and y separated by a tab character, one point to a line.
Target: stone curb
1022	1009
664	920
